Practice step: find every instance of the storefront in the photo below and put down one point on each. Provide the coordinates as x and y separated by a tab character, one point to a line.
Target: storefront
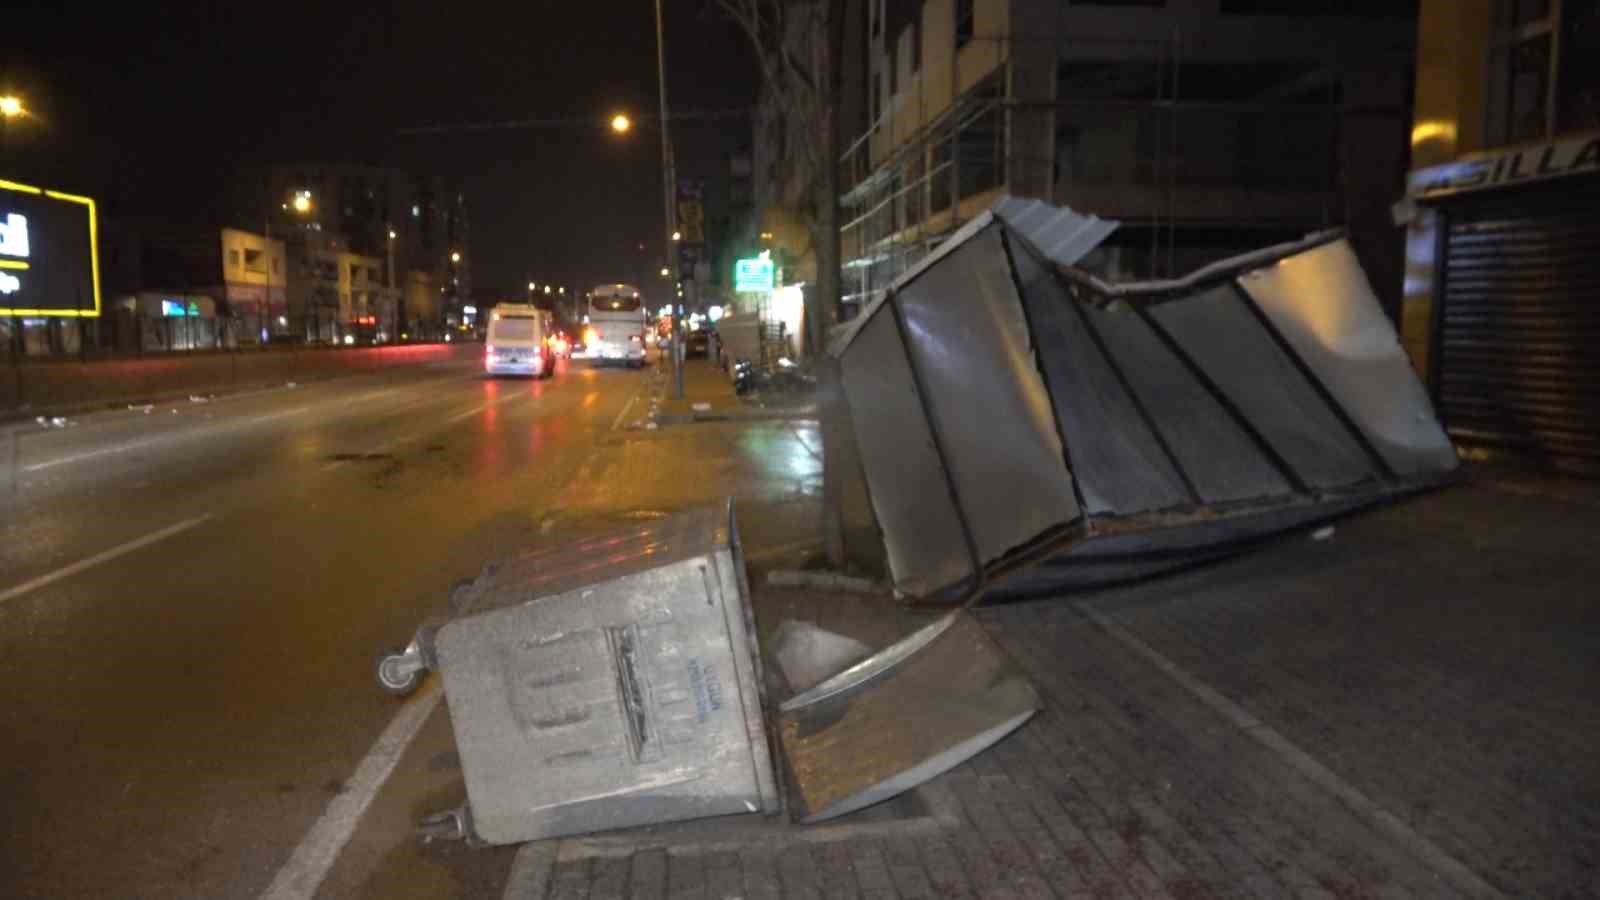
1513	328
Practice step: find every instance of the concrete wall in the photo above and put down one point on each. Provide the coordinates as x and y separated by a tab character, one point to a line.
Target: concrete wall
36	387
1448	121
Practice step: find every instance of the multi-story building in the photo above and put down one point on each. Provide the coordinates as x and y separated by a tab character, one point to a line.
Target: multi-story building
255	284
340	297
409	222
1502	288
1206	127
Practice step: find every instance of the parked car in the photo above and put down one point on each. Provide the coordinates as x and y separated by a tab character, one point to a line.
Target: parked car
697	343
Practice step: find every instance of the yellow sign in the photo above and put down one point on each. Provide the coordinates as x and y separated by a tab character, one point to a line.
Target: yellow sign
49	253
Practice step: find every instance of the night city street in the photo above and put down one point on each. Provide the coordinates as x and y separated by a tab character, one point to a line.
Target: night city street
800	449
219	689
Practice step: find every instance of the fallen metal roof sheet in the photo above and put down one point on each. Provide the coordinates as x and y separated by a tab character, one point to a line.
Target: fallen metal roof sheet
1010	408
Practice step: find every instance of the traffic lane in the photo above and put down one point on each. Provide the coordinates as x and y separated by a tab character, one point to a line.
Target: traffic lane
30	444
182	734
770	471
84	505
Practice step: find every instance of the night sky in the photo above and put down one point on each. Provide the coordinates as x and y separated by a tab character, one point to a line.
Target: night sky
149	108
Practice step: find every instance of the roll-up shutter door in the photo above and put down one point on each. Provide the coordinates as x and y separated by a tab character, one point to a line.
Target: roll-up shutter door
1518	331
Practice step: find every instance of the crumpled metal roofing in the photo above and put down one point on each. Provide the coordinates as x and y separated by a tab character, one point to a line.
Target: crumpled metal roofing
1012	409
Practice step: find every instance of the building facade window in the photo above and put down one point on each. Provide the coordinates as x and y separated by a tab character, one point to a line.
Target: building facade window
1544	70
1578	83
965	15
233	259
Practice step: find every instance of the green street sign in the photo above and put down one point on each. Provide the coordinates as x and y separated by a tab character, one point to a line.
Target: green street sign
754	275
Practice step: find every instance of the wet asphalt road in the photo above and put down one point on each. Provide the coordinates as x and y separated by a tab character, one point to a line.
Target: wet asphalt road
191	601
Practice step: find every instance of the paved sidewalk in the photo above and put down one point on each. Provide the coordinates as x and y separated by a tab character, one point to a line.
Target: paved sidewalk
1405	710
708	396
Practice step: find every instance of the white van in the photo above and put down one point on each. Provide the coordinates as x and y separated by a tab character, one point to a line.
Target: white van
517	342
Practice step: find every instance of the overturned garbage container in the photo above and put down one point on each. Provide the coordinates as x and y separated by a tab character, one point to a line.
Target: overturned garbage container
605	684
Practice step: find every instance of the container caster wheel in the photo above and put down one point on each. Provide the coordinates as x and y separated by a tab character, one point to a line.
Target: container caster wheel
400	671
450	825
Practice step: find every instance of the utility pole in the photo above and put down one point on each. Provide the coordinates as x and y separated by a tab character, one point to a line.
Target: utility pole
669	194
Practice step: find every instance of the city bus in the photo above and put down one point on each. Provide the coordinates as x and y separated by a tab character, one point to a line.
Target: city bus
614	323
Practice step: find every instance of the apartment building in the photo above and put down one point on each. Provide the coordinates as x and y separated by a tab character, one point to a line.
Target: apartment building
1206	127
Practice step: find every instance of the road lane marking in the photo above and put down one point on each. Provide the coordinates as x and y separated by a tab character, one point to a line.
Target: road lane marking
1467	882
163	439
320	848
629	405
98	558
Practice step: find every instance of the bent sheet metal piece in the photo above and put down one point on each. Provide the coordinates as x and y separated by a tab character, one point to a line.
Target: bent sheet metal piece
611	683
901	717
1012	409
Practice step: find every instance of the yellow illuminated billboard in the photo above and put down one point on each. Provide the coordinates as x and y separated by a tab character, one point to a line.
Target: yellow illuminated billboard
49	253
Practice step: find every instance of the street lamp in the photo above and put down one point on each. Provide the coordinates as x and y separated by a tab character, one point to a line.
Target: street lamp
11	107
665	273
621	123
455	256
547	289
677	235
302	202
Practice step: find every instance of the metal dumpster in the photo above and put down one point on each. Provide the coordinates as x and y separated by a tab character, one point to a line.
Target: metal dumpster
609	683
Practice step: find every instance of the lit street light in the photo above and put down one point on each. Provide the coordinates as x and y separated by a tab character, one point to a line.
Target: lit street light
11	107
455	256
664	272
302	201
677	235
547	289
621	123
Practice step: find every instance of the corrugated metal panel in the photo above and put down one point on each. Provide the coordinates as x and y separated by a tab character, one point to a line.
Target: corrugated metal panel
1119	461
1217	330
1322	306
1518	342
1063	236
967	336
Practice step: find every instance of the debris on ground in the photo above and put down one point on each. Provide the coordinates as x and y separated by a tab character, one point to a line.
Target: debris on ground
822	581
900	717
